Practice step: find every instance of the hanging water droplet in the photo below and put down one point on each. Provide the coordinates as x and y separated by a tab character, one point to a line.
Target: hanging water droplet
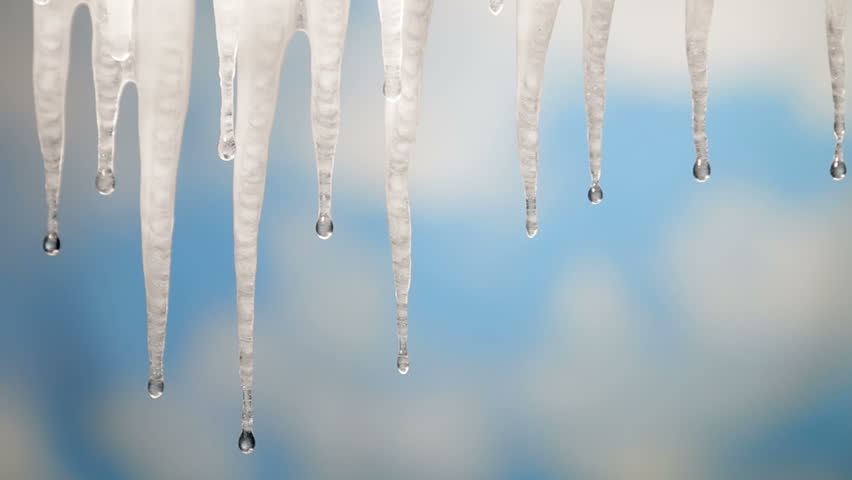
155	388
51	244
246	442
227	148
596	194
392	88
496	6
403	364
532	228
105	181
325	226
701	171
838	170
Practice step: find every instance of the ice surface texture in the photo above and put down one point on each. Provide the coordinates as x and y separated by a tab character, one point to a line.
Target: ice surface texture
149	43
265	28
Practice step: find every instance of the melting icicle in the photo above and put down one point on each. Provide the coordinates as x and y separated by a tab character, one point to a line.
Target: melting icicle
227	33
698	14
160	65
400	137
597	16
496	6
535	26
265	32
836	31
390	15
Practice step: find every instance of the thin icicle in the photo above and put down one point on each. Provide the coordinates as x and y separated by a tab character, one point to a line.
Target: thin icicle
390	15
535	25
698	15
597	16
400	137
160	64
265	32
836	30
227	13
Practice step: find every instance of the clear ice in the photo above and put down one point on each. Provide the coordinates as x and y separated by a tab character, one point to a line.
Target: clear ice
227	33
835	21
149	43
390	16
698	15
263	33
400	138
535	19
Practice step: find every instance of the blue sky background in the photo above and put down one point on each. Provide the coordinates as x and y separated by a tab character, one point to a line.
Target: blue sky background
676	331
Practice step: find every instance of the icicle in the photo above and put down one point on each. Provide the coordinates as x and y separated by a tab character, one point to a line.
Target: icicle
400	137
496	6
265	32
836	31
390	15
535	26
698	14
597	15
160	64
227	13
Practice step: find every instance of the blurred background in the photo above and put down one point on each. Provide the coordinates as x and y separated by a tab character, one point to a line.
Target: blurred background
677	331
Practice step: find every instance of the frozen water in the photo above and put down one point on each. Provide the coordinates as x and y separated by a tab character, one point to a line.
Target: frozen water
264	32
835	12
698	15
159	62
390	15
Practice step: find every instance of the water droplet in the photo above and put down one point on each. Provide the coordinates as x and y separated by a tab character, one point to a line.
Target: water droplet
51	244
105	181
325	226
496	6
838	170
120	55
227	148
701	171
596	194
392	88
402	364
532	228
246	442
155	388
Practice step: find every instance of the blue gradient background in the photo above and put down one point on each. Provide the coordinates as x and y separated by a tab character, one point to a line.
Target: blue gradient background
676	331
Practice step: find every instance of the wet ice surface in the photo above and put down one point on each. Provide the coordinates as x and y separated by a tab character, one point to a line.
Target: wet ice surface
261	35
698	15
836	29
148	43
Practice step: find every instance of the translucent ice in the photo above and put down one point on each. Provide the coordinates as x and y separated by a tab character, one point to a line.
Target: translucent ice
400	137
264	32
149	43
227	34
698	14
836	30
390	15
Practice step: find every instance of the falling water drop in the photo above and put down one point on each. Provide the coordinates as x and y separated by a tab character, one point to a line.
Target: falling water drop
105	181
835	13
698	15
701	170
403	364
156	386
51	244
596	194
246	441
838	169
496	6
597	18
325	226
390	16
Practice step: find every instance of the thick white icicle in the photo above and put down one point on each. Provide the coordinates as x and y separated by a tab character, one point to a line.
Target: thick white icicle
400	137
836	31
698	15
535	25
265	32
227	13
390	15
160	63
597	16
